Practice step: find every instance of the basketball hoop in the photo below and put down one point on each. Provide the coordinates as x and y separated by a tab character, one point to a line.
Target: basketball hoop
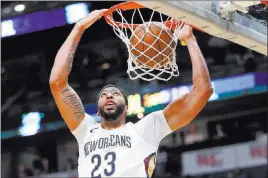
124	27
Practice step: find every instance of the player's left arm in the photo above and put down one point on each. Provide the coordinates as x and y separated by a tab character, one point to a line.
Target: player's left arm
184	109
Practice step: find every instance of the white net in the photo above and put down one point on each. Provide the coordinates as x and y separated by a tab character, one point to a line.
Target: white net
148	59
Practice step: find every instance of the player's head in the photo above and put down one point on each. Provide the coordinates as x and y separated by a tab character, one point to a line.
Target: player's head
112	103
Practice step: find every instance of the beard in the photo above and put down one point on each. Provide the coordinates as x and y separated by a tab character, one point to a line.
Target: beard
111	115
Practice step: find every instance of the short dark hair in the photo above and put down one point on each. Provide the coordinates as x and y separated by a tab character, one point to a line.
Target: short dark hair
110	85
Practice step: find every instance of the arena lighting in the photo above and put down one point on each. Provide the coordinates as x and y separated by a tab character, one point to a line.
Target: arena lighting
105	66
7	28
75	12
140	115
30	123
138	103
134	104
19	7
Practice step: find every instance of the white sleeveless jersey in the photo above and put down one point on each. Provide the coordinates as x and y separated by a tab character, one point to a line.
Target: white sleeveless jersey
128	151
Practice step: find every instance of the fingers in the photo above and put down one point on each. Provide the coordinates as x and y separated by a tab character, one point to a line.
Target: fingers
187	27
181	25
102	11
91	18
184	31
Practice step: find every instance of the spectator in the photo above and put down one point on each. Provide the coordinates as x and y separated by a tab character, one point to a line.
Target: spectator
70	165
219	132
45	165
193	135
38	167
23	172
261	136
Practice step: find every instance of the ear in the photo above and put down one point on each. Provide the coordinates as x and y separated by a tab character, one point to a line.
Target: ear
126	109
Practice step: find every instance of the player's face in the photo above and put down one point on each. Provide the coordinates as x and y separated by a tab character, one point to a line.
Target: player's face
111	104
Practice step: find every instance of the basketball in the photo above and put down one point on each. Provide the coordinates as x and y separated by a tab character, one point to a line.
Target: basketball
152	45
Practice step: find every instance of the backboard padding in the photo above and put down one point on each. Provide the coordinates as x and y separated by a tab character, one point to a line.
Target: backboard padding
204	15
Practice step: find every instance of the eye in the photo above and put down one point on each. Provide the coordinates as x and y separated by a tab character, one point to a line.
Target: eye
116	93
103	94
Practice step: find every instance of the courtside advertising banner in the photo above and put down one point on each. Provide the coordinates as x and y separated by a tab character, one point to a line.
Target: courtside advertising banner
224	158
251	154
208	160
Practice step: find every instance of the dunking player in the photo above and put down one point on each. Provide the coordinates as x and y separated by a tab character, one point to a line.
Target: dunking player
113	148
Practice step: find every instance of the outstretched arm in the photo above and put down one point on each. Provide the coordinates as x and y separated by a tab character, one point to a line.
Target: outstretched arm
184	109
67	101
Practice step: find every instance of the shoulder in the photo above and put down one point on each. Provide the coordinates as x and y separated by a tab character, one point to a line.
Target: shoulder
154	121
87	124
154	115
152	128
151	119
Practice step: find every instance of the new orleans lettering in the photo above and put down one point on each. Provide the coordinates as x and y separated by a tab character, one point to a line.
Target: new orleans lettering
103	143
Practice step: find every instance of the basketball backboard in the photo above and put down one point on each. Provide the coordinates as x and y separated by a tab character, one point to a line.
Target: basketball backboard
223	19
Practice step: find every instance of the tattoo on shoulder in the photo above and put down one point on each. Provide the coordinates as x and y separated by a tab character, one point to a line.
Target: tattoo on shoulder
74	102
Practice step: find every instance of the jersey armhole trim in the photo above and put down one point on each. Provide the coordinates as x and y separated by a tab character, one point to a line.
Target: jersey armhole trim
75	132
166	122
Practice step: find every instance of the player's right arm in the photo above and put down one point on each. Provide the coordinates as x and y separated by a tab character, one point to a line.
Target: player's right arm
67	101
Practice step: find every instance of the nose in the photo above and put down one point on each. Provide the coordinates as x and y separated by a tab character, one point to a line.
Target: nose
109	96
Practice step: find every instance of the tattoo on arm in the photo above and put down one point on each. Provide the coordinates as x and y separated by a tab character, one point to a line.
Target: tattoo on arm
70	57
72	100
71	53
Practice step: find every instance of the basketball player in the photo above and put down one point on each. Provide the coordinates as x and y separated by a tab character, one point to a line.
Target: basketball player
112	148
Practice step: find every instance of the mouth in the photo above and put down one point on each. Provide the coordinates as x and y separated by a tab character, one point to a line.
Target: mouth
109	103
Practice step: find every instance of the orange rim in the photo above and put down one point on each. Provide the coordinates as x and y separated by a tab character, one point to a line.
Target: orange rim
122	6
133	5
264	2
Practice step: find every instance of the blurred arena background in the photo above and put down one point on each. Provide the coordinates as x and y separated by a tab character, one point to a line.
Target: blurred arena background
228	139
